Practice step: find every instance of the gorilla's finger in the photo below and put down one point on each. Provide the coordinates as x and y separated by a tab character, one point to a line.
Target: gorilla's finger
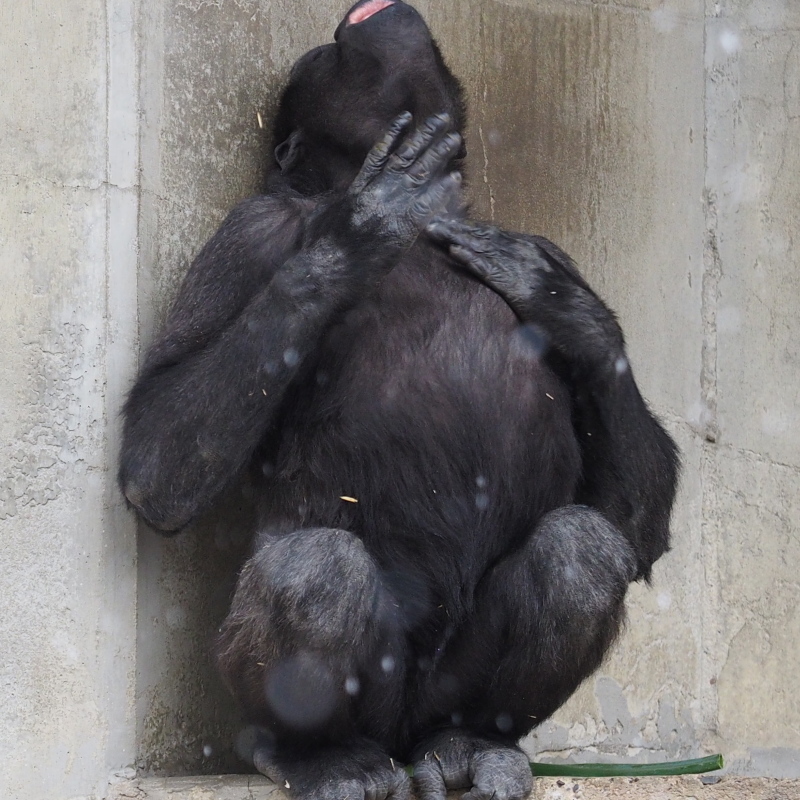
400	785
449	230
438	229
434	160
436	198
419	141
379	155
470	259
456	232
264	762
429	781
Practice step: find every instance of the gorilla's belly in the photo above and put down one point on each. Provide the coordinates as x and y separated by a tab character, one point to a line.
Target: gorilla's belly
458	448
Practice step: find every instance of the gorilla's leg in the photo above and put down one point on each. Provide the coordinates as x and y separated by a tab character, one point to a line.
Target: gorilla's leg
545	616
311	643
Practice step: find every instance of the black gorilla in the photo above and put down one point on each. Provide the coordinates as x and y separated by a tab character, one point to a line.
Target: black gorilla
458	477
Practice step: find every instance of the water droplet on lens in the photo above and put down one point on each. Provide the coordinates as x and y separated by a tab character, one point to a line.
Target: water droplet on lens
533	339
300	691
387	663
730	41
482	501
481	482
504	722
621	365
268	468
457	718
208	751
291	357
352	686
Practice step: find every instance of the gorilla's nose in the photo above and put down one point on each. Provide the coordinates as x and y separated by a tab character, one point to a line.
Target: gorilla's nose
366	9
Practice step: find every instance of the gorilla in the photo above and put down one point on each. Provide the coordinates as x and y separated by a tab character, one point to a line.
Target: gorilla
457	477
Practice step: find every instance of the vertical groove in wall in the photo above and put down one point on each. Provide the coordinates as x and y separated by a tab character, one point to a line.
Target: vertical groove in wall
117	628
712	271
150	24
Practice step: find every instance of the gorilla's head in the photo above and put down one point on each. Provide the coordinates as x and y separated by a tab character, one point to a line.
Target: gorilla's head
342	96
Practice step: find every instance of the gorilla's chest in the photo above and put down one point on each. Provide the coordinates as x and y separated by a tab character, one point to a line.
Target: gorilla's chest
434	410
434	355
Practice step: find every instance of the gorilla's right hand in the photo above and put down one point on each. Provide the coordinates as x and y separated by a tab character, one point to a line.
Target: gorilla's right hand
404	183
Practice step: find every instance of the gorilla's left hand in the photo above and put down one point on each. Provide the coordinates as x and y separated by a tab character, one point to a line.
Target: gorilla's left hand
404	183
540	283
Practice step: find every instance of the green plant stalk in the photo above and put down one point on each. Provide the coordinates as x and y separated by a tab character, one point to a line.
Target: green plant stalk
692	767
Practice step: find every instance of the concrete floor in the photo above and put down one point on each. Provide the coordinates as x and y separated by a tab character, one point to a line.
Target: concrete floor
250	787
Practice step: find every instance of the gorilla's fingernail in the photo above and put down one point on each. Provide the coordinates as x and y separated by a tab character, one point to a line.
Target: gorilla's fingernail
437	122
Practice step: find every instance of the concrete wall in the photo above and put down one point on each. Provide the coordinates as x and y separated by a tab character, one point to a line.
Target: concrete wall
68	218
656	141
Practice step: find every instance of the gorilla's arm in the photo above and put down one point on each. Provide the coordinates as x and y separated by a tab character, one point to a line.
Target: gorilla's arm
630	465
245	324
239	260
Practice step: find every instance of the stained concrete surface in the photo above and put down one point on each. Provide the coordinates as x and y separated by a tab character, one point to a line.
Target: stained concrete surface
679	788
657	141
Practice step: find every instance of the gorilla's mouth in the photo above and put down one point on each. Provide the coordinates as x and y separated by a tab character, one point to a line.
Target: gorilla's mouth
368	10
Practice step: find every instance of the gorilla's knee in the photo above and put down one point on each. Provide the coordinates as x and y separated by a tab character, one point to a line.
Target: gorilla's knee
307	590
302	618
319	586
582	561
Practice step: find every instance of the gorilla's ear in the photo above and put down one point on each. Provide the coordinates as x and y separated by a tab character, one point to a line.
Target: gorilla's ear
289	151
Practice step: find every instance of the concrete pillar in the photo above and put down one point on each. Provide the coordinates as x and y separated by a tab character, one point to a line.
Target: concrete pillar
68	220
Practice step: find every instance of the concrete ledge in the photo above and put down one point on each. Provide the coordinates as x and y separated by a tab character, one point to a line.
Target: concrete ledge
253	787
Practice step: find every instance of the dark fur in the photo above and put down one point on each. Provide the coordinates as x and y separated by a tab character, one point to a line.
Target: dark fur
510	480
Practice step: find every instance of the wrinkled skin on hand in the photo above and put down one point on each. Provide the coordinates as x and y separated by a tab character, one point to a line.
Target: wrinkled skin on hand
338	773
403	182
540	283
457	760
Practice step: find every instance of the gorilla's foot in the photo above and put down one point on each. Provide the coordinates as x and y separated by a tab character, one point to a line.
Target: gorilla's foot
458	760
360	772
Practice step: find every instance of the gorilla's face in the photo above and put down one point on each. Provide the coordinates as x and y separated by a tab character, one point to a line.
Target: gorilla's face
342	96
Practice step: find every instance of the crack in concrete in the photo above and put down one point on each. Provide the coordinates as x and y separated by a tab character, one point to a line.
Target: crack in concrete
88	187
485	93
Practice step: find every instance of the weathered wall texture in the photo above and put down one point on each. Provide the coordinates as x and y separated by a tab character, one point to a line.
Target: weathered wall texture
68	217
656	140
680	123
